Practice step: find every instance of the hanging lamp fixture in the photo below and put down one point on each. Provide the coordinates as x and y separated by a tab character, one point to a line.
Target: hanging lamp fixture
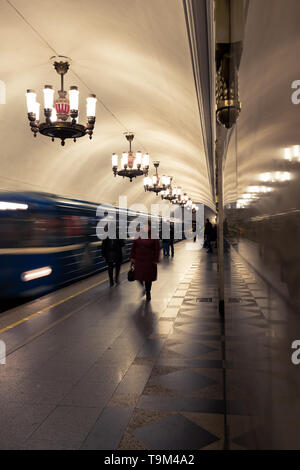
171	193
183	200
132	165
157	184
62	113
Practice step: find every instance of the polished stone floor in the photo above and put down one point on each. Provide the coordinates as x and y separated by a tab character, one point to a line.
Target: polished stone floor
93	367
106	370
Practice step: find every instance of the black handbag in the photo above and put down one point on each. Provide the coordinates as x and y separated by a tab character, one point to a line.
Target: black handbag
130	274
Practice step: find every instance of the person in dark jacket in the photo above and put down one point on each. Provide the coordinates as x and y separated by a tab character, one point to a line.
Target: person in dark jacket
208	235
145	256
112	253
172	239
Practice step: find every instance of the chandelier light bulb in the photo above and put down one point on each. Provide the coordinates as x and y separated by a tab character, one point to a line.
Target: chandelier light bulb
48	97
74	98
91	106
138	158
37	111
30	101
296	151
254	189
114	159
287	154
146	160
124	160
265	177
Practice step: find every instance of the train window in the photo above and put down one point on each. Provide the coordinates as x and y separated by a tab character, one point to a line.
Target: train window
32	230
78	228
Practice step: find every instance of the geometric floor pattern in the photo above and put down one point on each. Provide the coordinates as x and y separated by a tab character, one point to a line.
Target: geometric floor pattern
169	375
106	370
182	404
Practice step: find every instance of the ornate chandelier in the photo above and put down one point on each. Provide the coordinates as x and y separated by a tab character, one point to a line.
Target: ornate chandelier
183	200
57	112
131	165
170	194
156	184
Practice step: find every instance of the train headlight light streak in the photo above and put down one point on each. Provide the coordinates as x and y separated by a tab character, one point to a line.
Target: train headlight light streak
12	206
36	273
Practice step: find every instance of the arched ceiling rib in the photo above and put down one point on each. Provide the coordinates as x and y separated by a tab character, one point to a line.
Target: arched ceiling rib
135	56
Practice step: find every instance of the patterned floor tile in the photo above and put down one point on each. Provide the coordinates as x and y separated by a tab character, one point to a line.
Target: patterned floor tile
174	432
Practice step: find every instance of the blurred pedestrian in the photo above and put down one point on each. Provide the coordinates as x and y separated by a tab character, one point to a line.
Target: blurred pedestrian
171	243
112	254
208	234
145	256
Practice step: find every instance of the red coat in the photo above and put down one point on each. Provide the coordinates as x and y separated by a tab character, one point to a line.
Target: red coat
145	252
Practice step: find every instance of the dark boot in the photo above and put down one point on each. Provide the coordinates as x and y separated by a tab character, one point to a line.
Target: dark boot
110	273
148	285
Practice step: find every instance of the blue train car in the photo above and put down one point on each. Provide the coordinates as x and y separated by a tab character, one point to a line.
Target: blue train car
47	241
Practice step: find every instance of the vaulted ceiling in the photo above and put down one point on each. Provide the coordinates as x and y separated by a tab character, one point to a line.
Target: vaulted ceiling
135	56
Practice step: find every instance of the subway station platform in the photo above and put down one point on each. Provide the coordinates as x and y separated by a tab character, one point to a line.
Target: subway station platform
93	367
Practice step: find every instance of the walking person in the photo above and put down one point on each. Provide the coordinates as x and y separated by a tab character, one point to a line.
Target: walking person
171	242
112	254
145	256
208	234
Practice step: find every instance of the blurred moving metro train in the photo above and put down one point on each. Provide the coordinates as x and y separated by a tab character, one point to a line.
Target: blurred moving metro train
47	241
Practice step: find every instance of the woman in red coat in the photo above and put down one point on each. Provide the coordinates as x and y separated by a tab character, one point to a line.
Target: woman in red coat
145	256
